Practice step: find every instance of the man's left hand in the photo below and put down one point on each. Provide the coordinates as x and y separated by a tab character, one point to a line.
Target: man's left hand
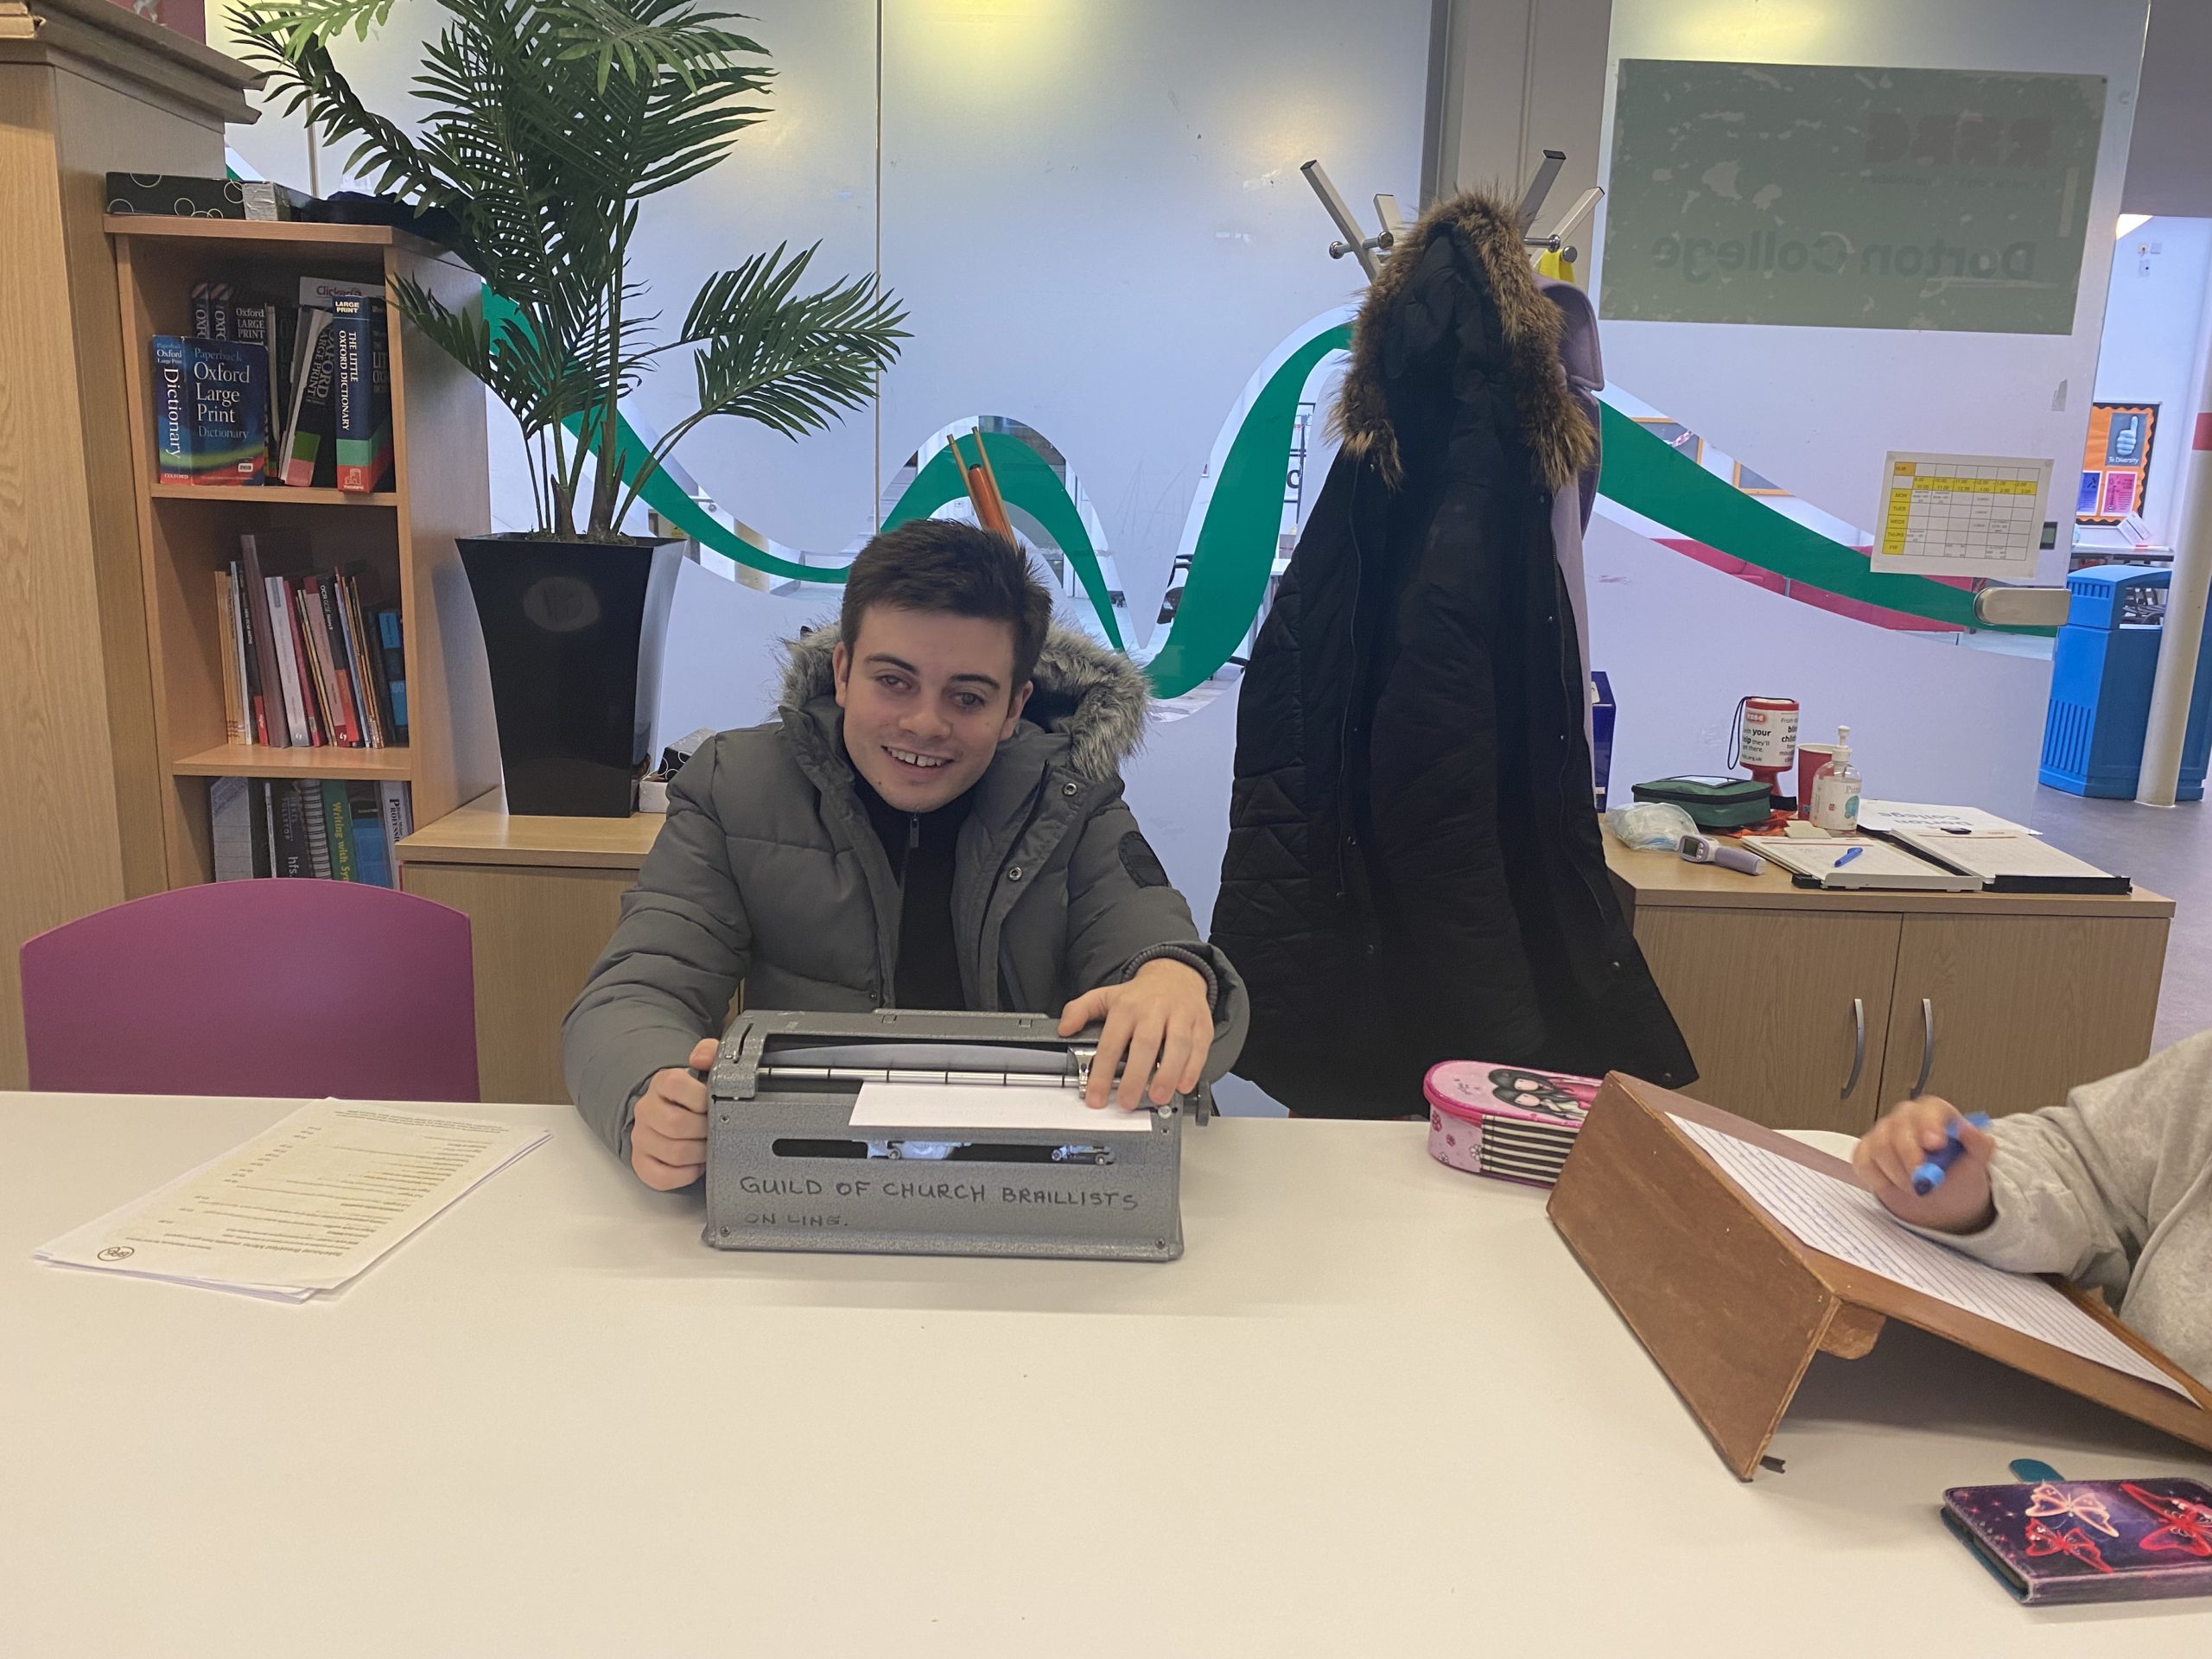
1160	1020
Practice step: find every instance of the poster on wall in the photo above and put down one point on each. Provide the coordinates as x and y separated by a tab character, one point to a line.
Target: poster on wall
2116	460
1849	198
1961	515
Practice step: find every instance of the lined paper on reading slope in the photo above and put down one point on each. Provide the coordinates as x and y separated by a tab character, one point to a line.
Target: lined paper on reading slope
303	1208
1847	1222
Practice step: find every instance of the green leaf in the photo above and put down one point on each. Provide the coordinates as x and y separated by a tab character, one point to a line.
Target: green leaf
298	21
649	39
790	362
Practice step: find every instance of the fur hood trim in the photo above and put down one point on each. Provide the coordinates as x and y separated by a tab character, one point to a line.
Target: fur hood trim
1097	698
1557	432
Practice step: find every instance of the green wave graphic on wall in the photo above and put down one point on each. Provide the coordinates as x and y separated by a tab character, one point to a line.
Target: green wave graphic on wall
1234	551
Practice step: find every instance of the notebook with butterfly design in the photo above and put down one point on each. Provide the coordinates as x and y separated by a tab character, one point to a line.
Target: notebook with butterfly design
2061	1541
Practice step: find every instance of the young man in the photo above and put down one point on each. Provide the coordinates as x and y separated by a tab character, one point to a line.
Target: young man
2113	1190
935	821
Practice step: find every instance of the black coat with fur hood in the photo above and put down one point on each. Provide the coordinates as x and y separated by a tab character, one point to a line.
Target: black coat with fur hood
1413	871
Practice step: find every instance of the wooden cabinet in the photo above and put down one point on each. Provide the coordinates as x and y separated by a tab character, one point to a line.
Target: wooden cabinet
1787	1014
2026	995
2020	1007
542	896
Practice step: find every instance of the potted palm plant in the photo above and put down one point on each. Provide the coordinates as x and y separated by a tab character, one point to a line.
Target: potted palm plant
539	129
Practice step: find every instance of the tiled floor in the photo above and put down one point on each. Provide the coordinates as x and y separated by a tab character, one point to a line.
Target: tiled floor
2168	849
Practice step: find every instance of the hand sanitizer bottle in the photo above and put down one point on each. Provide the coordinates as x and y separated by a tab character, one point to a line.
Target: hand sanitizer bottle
1835	790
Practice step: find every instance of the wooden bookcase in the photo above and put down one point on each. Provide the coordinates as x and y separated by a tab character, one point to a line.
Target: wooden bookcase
440	490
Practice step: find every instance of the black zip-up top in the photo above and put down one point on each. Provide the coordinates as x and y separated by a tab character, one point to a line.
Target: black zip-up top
920	846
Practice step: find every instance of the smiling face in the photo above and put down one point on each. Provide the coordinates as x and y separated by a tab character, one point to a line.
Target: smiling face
928	698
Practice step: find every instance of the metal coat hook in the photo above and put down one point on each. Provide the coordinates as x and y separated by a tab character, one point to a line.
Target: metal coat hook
1356	241
1370	250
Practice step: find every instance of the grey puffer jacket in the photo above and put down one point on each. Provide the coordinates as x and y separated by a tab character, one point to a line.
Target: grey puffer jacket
769	874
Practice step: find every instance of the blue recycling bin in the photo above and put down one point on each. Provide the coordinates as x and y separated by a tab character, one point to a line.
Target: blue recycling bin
2101	671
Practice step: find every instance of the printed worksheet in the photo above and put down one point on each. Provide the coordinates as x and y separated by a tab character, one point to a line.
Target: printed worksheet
1961	515
1847	1222
303	1208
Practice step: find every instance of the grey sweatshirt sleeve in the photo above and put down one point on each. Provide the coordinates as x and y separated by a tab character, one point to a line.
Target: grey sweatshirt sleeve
1123	912
2081	1189
667	976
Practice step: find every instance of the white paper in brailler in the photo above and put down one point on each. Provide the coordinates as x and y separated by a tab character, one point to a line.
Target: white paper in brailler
1847	1222
989	1106
303	1208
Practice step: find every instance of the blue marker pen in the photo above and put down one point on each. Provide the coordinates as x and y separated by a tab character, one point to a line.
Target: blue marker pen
1937	1164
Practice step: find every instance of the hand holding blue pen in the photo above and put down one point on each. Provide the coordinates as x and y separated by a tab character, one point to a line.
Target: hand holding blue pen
1929	1165
1937	1164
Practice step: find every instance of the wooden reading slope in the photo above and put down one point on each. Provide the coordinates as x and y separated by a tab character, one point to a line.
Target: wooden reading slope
1733	1307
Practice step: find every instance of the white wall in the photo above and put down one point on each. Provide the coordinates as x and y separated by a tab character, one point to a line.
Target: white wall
2154	325
1680	642
1815	409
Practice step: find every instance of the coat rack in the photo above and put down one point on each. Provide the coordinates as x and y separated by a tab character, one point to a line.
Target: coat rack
1370	251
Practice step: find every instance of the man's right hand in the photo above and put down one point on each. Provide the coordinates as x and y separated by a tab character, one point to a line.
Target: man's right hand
1889	1153
668	1130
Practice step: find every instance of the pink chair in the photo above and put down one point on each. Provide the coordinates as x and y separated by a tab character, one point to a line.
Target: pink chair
286	987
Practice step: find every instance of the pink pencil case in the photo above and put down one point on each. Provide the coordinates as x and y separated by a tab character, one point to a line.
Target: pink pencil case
1510	1121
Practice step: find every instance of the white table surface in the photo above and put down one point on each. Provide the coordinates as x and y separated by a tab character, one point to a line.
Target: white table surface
1378	1408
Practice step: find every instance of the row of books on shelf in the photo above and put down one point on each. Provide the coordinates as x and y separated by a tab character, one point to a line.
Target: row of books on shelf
278	391
306	662
306	826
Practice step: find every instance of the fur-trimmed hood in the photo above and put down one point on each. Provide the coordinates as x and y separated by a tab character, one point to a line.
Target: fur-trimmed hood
1557	432
1098	699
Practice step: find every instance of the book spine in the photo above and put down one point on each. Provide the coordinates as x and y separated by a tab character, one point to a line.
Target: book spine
218	311
263	824
304	445
309	796
276	730
371	852
284	625
172	407
230	828
283	376
398	815
391	644
248	669
295	856
315	672
381	464
235	729
203	311
337	820
355	426
255	324
345	705
229	441
356	662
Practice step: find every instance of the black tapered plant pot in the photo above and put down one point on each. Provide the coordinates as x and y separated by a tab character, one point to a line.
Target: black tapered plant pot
573	633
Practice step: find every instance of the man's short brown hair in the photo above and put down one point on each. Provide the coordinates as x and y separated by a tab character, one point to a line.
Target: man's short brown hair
956	569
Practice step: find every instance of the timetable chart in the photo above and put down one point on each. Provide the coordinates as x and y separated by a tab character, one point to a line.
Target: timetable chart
1962	515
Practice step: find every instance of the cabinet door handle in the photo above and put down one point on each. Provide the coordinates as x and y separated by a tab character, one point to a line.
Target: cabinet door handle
1926	1045
1857	1045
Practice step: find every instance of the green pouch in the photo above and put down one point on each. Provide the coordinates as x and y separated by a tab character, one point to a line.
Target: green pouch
1712	803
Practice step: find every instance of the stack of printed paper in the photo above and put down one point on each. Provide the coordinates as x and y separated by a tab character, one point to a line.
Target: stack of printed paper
303	1208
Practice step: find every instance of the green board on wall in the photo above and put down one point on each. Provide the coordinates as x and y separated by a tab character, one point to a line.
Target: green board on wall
1854	198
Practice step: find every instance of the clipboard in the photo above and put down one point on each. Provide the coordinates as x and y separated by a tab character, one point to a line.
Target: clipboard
1647	1213
2011	863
